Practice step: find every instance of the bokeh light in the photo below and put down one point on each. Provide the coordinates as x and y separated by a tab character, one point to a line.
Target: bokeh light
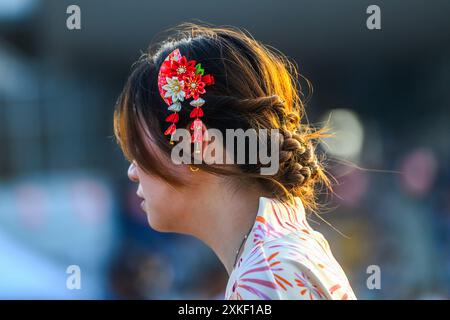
349	133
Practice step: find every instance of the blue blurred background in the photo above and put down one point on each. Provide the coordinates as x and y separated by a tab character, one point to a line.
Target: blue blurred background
64	194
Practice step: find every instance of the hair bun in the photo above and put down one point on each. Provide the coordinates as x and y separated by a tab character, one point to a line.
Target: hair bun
298	163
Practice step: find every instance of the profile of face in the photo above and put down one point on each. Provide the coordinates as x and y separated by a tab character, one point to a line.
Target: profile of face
174	208
157	201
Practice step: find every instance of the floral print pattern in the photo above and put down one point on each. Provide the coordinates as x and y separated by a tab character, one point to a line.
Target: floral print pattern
284	258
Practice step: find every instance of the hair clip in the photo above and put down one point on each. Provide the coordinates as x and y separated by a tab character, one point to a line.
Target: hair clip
180	79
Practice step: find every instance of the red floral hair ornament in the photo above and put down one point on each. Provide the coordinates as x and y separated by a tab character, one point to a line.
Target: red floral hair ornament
180	79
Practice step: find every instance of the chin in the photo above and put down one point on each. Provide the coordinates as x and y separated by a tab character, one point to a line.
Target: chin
157	224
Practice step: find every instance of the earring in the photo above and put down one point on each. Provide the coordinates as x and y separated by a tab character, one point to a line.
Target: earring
193	169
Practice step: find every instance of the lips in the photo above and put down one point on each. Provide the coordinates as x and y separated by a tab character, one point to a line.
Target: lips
141	197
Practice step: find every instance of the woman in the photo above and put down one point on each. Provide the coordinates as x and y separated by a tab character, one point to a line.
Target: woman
204	78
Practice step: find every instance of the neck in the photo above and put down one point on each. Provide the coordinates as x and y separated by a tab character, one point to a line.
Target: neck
224	223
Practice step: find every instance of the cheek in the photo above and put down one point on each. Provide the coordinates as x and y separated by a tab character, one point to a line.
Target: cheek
164	205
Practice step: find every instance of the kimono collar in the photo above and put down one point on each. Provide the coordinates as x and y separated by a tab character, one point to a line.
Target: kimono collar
274	220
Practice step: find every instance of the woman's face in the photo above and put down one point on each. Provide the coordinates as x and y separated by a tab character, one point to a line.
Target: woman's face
163	204
171	209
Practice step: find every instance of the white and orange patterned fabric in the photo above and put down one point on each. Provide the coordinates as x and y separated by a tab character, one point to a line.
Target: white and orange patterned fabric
284	258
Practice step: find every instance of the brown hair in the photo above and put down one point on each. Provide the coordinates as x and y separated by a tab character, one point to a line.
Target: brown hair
255	87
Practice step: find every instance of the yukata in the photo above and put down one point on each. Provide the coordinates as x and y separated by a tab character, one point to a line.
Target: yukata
284	258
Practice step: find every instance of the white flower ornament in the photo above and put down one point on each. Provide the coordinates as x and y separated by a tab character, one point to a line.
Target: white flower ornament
174	89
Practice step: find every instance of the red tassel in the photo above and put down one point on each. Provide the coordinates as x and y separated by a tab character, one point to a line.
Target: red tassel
173	118
171	129
196	113
197	136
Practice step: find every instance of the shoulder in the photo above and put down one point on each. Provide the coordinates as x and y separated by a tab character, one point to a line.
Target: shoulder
270	273
285	268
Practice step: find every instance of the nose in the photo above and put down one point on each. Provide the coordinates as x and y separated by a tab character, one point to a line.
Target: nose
132	172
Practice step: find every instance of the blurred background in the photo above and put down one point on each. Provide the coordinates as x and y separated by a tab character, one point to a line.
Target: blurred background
64	194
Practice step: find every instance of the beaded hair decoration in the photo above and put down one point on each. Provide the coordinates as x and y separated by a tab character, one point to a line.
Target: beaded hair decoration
180	79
